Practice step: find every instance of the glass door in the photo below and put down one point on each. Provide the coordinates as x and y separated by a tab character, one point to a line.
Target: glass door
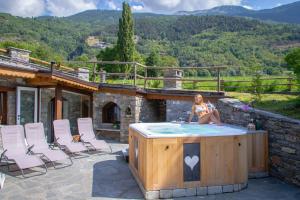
27	104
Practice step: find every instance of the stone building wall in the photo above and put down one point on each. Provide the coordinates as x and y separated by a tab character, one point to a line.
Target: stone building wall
152	110
124	102
72	111
142	110
284	136
179	110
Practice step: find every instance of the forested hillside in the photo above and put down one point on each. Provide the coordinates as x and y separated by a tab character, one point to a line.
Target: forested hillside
288	13
193	40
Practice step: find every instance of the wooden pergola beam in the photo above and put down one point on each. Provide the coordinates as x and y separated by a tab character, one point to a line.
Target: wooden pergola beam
58	102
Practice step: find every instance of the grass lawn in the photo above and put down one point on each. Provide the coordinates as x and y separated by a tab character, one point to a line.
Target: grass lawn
288	105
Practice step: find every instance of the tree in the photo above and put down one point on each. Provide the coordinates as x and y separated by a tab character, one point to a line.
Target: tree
125	42
153	60
256	84
293	61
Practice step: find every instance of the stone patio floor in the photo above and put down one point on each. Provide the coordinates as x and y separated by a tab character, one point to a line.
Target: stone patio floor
107	176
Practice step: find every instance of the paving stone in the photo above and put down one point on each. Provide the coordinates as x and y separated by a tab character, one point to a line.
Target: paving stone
227	188
60	183
201	191
236	187
152	195
244	185
214	189
165	194
190	192
179	193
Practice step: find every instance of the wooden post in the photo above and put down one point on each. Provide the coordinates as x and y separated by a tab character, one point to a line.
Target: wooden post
222	87
290	79
218	80
91	105
94	72
145	77
52	66
58	102
134	78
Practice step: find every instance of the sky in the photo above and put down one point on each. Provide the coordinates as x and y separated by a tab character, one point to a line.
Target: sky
33	8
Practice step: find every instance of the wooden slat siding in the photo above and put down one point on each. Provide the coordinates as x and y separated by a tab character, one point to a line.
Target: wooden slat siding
58	102
241	156
257	149
223	161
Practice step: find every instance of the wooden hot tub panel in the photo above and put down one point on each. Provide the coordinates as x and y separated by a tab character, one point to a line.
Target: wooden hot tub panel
170	163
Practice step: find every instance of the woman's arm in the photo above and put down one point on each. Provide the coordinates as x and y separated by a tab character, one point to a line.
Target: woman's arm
192	114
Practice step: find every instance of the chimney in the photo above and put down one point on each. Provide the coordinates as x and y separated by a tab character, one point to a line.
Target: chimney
20	55
175	82
83	74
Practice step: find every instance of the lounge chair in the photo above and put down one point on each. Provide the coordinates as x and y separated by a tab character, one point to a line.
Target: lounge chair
64	139
87	135
15	149
35	136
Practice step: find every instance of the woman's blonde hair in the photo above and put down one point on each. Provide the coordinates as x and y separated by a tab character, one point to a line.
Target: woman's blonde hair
199	96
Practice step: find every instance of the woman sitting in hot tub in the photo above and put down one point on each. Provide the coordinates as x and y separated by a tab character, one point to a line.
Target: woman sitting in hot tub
205	115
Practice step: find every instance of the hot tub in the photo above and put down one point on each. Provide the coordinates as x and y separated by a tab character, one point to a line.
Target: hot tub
174	160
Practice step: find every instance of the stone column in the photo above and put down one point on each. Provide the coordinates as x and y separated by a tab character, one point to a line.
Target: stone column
83	74
175	81
102	76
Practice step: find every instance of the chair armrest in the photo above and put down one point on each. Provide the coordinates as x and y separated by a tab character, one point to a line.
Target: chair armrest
3	154
29	149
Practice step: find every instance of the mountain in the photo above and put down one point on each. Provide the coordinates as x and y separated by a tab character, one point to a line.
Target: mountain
289	13
192	40
220	10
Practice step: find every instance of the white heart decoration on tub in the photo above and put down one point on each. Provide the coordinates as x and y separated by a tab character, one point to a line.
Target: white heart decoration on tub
191	161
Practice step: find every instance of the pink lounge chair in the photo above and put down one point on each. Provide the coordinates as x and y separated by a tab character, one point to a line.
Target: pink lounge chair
35	136
15	149
87	135
64	139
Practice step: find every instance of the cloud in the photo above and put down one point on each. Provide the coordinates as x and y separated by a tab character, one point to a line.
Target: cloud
248	7
23	8
112	5
186	5
69	7
28	8
137	8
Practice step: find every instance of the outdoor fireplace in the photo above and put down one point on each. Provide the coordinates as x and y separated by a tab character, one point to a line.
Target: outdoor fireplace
111	114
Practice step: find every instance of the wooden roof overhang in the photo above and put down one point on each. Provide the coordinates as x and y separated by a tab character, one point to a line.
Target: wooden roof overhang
47	79
159	94
17	73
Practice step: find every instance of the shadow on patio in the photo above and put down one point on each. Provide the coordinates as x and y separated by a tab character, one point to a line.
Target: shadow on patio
113	179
